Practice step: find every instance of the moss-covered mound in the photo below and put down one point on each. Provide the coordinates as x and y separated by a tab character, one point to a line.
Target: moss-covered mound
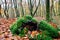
43	25
27	21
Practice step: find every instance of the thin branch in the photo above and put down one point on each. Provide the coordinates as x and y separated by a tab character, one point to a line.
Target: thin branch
36	8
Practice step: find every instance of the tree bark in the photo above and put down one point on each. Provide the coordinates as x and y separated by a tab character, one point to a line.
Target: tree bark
15	6
0	12
11	11
48	10
31	5
5	10
22	9
59	8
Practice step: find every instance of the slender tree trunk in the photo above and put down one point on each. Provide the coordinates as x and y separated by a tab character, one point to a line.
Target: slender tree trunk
22	9
51	9
59	8
31	8
15	6
31	5
35	2
48	10
5	10
0	12
11	11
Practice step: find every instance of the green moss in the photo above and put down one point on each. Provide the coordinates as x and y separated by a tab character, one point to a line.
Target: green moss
39	37
46	38
34	20
14	29
28	17
21	21
43	25
12	26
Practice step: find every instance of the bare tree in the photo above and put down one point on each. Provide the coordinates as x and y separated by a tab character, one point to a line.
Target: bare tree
31	5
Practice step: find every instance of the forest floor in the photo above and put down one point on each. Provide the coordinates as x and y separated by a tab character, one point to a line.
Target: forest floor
5	33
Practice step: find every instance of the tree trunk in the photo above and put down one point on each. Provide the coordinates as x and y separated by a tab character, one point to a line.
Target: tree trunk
31	5
0	12
59	8
48	10
51	9
11	11
22	9
5	10
36	8
15	6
